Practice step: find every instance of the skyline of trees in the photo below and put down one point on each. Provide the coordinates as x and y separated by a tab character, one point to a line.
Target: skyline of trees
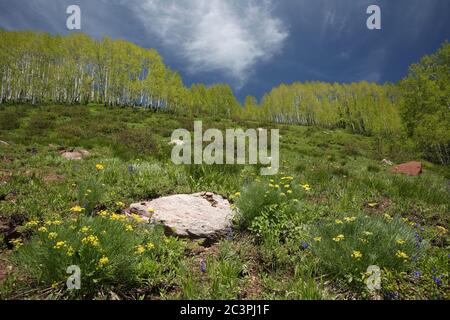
37	67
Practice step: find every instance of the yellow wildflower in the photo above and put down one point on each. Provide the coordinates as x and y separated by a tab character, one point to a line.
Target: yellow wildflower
373	204
56	222
402	255
306	187
103	261
85	229
59	245
357	255
136	218
289	192
367	233
54	285
92	240
103	213
117	217
401	242
349	219
286	186
339	238
283	194
31	223
70	252
339	221
140	249
120	204
237	194
43	229
387	216
77	209
442	230
150	246
318	239
128	227
99	167
17	243
52	235
150	210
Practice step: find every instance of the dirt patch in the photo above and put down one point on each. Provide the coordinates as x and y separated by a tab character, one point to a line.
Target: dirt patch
53	178
378	206
5	175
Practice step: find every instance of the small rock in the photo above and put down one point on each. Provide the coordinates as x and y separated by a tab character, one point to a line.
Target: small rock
387	162
195	216
75	155
176	142
412	168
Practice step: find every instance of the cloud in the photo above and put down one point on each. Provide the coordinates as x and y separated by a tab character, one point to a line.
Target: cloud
229	36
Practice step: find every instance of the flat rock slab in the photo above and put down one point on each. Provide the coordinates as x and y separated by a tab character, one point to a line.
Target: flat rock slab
412	168
196	216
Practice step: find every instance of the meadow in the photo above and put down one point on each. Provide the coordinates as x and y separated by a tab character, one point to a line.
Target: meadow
308	233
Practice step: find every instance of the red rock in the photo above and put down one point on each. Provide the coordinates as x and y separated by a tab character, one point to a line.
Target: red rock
412	168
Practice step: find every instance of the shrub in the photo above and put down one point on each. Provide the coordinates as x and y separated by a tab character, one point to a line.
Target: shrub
9	120
347	246
111	251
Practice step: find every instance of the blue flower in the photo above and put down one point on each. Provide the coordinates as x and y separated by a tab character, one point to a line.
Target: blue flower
417	274
304	245
437	280
203	266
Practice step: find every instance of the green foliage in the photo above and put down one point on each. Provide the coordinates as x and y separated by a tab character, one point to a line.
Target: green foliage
110	251
9	120
221	278
425	104
347	246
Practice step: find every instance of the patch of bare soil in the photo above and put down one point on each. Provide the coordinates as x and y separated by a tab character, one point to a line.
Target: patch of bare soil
53	178
378	207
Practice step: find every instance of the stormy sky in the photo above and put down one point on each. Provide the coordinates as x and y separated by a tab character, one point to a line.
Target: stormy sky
255	45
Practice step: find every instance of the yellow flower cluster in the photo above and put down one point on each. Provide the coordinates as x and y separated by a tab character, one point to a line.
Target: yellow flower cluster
52	235
357	255
103	261
59	245
140	249
401	242
92	240
77	209
128	227
43	229
339	238
17	243
350	219
402	255
442	230
306	187
32	223
117	217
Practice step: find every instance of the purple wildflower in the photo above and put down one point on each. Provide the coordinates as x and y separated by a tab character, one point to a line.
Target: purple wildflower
437	280
304	245
417	274
203	266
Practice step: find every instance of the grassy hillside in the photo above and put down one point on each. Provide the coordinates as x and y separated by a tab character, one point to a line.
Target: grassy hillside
308	233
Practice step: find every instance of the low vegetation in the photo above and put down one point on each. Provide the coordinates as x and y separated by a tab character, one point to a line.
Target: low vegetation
308	233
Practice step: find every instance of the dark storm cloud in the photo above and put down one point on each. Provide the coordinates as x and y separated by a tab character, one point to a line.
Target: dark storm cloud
256	45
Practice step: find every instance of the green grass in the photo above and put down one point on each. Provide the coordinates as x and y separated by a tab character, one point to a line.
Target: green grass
272	255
